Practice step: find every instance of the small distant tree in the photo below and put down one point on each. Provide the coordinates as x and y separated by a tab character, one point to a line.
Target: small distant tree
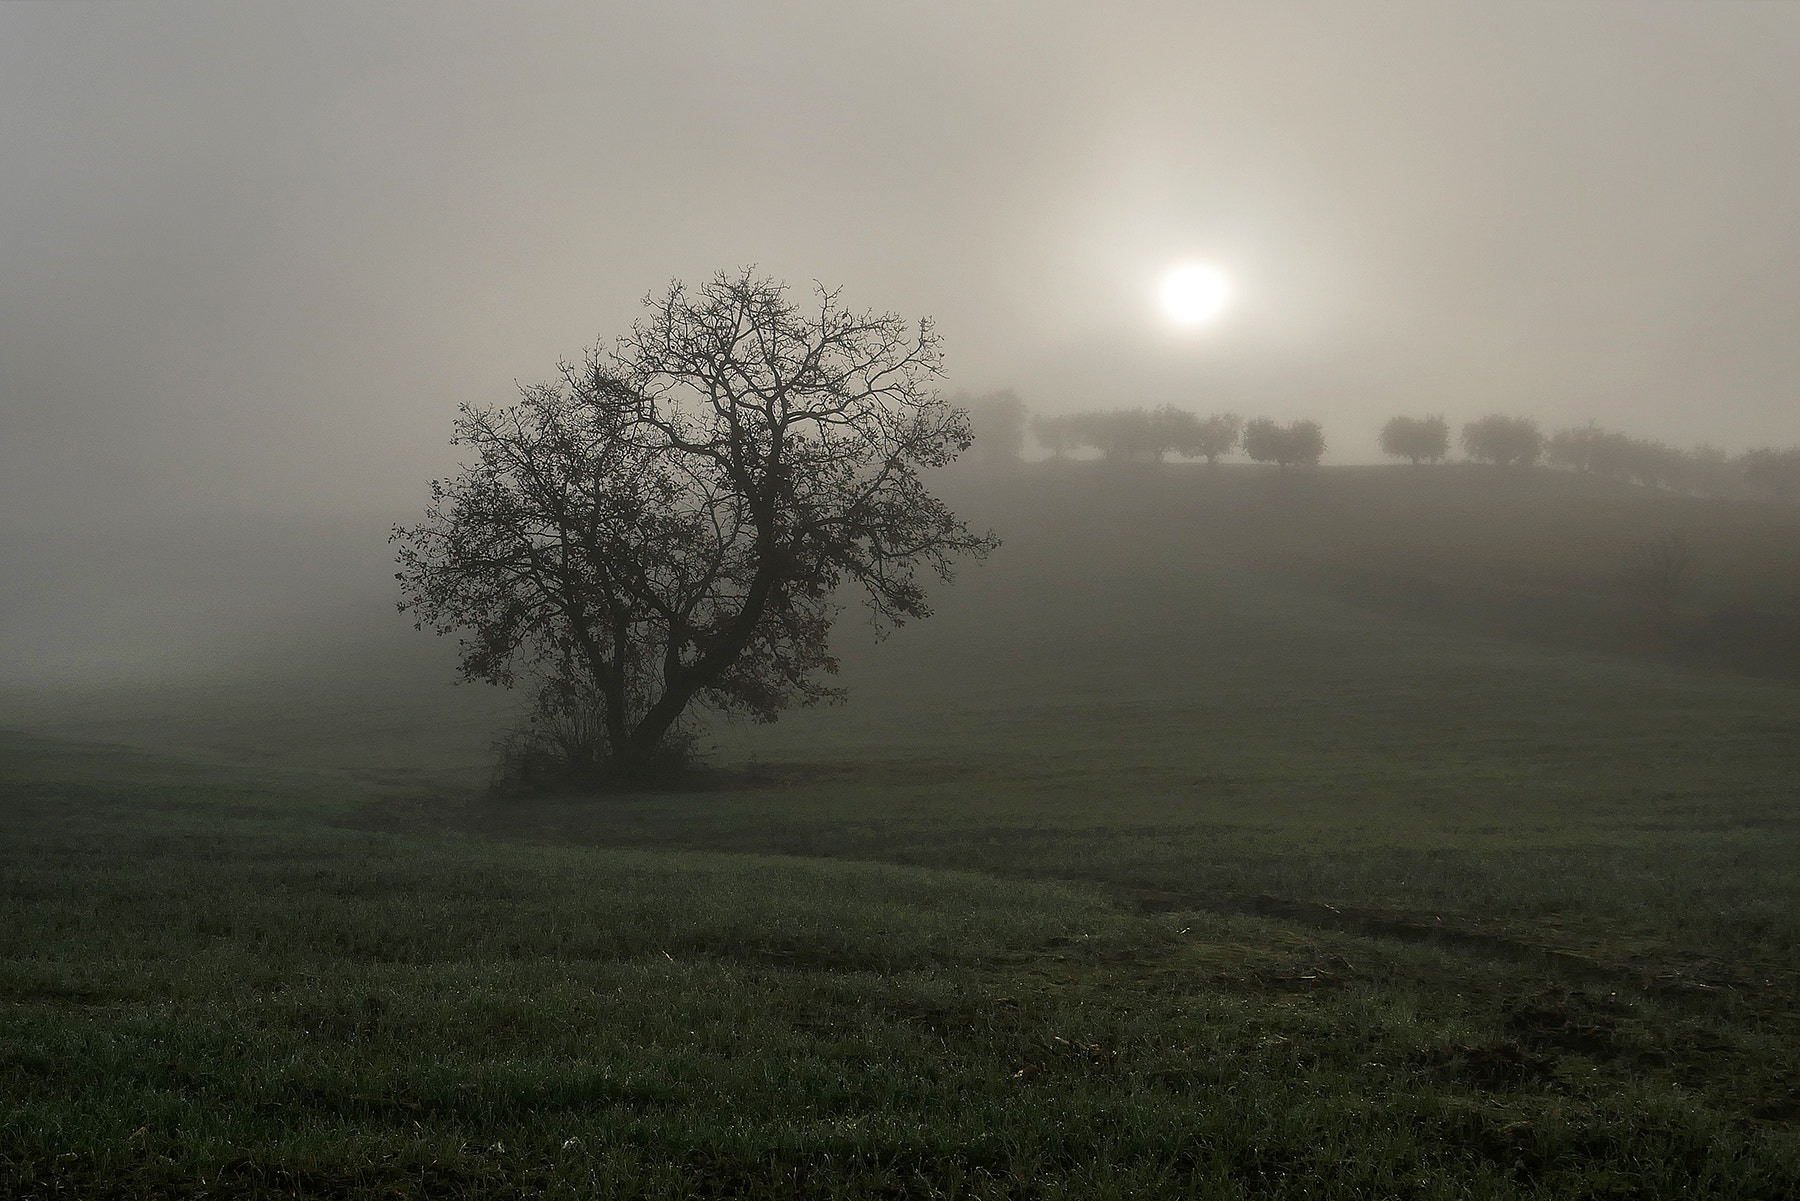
1306	441
1503	441
1209	437
1172	429
1711	472
1300	442
997	422
1139	437
1776	472
1263	440
1134	435
1052	433
1420	439
1086	431
1573	449
1118	434
1655	464
1610	454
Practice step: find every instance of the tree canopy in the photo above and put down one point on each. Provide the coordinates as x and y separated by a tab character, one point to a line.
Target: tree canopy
668	525
1419	439
1503	441
1209	437
1301	442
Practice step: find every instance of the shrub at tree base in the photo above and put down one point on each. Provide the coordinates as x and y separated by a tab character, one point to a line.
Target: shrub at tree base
665	527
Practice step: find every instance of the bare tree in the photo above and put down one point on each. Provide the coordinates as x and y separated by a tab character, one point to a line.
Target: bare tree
667	525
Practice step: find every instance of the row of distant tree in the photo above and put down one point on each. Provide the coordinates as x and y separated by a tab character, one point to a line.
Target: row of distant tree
1002	421
1521	442
1157	433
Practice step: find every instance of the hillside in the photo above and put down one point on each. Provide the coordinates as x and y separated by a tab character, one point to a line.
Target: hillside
1546	556
1113	583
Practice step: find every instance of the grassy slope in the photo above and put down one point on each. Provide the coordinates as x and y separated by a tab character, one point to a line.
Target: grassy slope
1134	871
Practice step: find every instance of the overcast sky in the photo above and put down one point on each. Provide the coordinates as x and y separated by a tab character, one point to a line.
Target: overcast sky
254	254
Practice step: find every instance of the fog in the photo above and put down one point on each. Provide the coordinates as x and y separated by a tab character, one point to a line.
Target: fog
254	256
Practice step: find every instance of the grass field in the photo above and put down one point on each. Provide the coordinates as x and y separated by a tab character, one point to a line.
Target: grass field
1151	866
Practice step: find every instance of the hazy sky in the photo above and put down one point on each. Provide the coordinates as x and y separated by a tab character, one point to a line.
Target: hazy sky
254	254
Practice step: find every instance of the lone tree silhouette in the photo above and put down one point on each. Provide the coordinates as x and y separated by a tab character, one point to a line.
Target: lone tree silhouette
667	526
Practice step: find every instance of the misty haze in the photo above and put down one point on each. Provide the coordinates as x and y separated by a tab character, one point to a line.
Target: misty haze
991	601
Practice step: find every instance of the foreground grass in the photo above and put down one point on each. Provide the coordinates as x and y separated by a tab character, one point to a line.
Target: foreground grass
214	984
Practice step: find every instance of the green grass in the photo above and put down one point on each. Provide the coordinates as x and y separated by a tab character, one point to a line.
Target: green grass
1136	872
274	1000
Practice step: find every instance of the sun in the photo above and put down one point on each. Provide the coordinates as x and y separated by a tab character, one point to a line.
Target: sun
1193	294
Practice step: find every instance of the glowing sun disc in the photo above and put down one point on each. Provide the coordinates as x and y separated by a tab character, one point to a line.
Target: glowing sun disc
1194	294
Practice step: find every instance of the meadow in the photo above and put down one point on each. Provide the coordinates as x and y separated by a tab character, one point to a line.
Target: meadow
1238	833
